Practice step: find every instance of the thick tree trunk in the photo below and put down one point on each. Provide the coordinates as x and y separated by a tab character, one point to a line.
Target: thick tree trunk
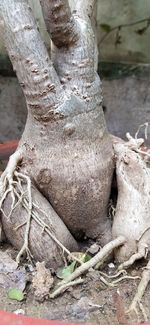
67	149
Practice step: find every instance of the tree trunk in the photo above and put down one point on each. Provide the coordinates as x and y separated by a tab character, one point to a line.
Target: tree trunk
67	151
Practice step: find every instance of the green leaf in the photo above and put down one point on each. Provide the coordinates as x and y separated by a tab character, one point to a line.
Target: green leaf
82	257
106	27
15	294
64	272
86	258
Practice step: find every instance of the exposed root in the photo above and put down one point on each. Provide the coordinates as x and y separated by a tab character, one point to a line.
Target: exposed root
132	143
107	283
142	253
113	276
7	180
15	187
46	228
145	125
124	277
64	287
100	256
136	302
25	247
132	217
7	175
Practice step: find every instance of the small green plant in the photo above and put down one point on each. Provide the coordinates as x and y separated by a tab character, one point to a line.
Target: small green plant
15	294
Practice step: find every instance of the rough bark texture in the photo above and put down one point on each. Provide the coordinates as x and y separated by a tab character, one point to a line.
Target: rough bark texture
68	149
60	23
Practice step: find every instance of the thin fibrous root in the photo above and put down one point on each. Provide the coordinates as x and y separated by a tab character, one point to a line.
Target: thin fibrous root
7	185
124	277
7	175
47	229
135	143
107	284
6	179
26	201
136	302
145	125
100	256
114	276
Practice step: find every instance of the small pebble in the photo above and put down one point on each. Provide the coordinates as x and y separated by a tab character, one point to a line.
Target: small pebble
111	266
19	312
94	249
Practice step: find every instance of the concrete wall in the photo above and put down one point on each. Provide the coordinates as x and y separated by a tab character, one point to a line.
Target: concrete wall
134	40
127	103
134	44
12	109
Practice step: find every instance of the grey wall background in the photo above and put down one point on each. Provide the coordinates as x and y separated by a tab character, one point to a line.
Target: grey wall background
134	44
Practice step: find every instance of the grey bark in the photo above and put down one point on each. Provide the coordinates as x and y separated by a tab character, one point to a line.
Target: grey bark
36	74
85	8
60	22
68	149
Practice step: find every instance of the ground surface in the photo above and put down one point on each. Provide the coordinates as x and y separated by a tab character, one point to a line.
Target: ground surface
90	302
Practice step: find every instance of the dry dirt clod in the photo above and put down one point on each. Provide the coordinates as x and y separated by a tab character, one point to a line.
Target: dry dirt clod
42	282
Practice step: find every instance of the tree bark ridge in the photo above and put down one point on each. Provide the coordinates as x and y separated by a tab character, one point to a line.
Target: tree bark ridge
34	69
59	22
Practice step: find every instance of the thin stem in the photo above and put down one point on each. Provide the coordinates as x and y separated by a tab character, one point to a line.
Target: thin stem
118	27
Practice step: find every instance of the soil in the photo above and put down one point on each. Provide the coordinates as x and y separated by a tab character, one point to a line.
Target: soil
90	302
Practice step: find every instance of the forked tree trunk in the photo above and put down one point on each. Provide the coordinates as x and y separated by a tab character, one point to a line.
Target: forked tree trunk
67	151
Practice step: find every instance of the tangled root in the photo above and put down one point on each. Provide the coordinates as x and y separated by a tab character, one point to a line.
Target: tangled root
19	187
142	253
98	258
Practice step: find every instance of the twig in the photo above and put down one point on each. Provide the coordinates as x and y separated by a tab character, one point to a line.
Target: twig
64	287
100	256
122	26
